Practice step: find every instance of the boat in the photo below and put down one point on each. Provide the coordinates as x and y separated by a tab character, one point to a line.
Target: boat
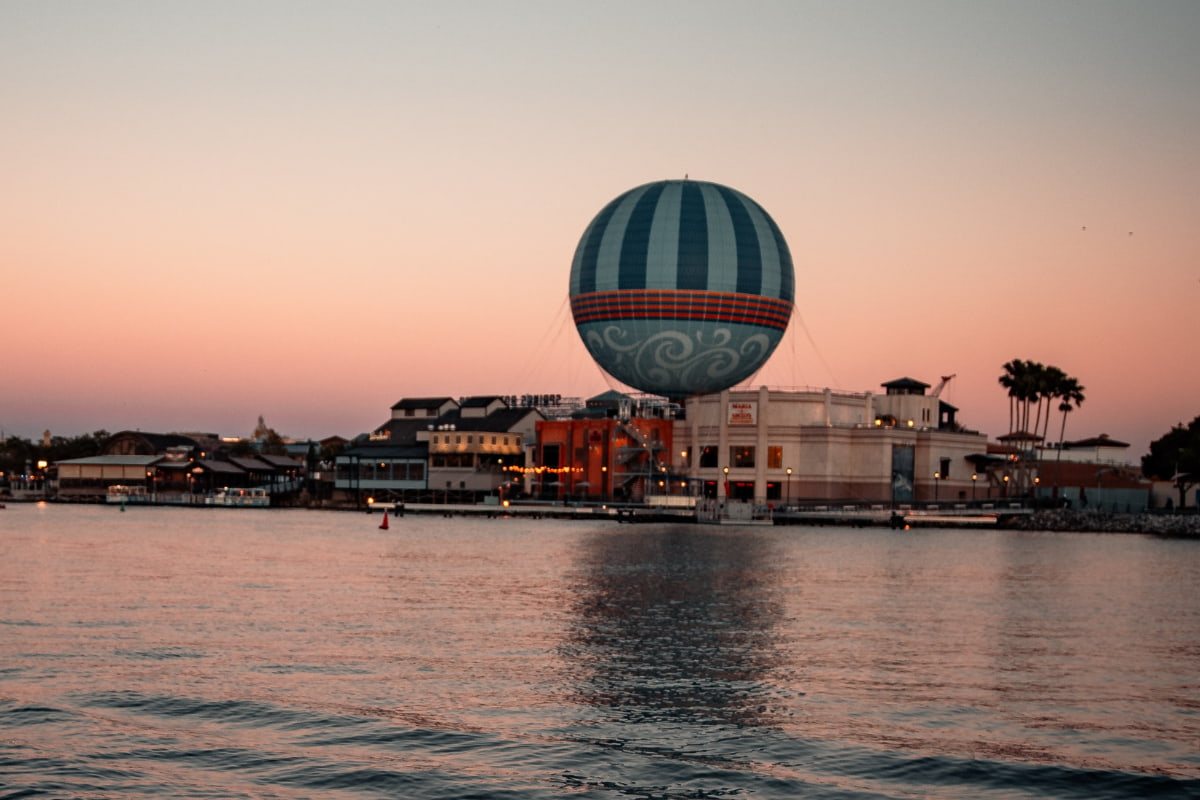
239	498
734	512
122	494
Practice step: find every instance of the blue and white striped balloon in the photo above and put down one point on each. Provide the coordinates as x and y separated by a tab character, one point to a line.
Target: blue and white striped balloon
682	287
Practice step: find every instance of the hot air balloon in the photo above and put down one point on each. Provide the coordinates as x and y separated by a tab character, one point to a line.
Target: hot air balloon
681	287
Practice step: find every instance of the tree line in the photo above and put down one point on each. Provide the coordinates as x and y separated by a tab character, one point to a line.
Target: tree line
17	454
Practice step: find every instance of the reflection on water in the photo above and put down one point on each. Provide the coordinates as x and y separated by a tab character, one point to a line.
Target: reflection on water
675	625
293	654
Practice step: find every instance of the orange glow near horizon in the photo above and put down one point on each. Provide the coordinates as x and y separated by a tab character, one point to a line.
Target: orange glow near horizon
307	222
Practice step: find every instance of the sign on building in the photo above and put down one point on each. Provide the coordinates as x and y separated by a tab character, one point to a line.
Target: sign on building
743	412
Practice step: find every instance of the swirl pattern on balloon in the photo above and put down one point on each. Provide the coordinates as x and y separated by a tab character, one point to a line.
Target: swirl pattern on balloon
679	361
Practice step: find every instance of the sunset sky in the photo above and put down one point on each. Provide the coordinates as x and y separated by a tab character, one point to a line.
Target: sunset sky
212	211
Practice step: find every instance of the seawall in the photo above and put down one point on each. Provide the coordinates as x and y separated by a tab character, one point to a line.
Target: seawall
1185	525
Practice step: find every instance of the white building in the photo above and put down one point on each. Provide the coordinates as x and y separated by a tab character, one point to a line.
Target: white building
769	445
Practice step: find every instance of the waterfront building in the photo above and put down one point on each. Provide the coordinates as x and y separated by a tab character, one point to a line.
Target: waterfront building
1100	449
175	465
613	450
437	448
90	478
1091	473
779	446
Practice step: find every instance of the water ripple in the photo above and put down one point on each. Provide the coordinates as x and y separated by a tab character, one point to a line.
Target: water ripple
514	659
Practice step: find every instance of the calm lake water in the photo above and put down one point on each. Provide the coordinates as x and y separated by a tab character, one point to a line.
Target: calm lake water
229	653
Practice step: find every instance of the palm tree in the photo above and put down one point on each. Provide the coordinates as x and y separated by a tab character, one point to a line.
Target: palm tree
1008	379
1051	381
1020	378
1029	386
1071	394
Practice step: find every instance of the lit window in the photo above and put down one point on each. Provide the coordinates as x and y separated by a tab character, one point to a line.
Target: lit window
741	456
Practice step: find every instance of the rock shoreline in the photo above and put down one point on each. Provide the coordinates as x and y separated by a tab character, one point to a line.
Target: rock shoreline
1082	521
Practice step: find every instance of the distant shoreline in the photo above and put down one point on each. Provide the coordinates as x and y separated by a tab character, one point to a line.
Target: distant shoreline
1184	525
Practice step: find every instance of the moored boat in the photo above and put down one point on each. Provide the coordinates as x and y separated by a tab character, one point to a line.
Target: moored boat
240	498
122	494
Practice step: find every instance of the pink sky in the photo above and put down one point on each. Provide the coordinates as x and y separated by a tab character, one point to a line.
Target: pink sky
214	211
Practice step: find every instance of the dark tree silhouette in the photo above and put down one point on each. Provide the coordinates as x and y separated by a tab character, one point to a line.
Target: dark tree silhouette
1175	456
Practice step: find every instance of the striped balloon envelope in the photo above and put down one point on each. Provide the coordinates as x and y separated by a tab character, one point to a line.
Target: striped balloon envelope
682	287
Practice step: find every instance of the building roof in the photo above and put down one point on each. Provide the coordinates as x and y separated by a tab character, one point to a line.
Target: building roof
1096	441
906	383
400	432
610	398
373	451
423	402
499	421
220	467
113	461
1020	436
173	466
283	462
252	464
482	401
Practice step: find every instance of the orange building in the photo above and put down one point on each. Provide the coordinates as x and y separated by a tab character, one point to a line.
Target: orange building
604	460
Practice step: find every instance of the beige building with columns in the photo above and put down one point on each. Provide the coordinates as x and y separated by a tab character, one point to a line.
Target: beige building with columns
783	446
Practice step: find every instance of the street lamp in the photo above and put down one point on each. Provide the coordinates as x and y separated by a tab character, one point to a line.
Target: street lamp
789	486
937	479
974	478
726	471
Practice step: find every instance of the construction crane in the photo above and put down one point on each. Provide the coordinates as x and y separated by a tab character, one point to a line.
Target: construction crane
937	390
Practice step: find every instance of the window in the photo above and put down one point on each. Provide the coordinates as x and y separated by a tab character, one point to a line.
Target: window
774	457
408	412
494	440
416	472
945	470
741	456
708	457
470	440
